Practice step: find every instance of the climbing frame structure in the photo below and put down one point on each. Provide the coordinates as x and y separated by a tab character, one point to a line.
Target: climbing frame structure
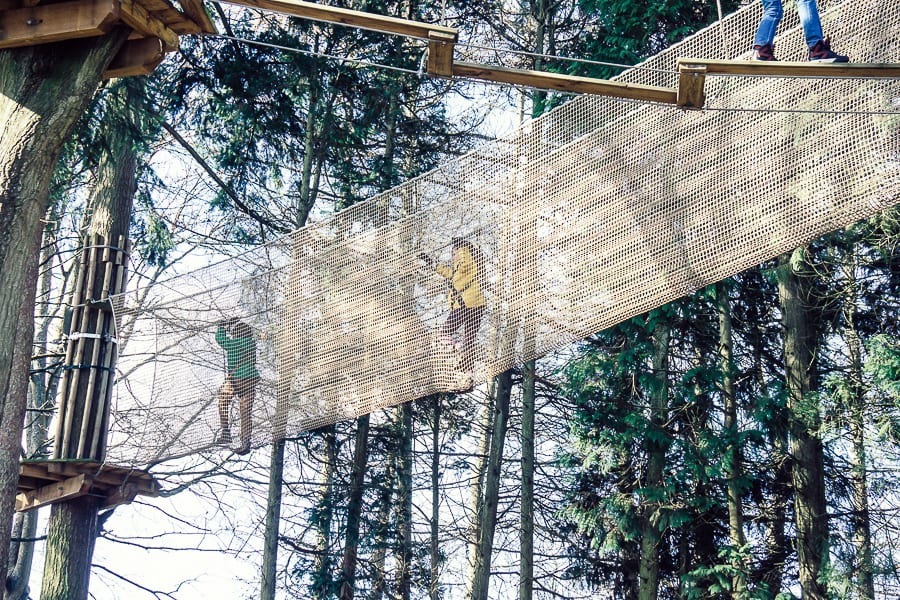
597	211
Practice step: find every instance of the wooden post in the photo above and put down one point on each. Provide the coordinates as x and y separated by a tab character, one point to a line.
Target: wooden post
690	85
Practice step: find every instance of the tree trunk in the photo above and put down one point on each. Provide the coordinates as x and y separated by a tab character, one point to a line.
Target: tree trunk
322	581
475	496
354	508
526	525
733	469
808	472
74	523
40	401
489	505
382	523
73	531
43	92
434	587
856	405
273	517
656	462
404	498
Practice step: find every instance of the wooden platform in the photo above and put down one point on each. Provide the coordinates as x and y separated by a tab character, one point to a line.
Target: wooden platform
155	24
48	481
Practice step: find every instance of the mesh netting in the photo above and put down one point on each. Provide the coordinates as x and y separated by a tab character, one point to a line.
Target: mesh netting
598	211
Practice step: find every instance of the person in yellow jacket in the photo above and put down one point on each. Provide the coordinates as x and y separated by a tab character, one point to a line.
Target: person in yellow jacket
466	299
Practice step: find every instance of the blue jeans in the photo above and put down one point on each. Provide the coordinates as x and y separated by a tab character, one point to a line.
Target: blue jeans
772	13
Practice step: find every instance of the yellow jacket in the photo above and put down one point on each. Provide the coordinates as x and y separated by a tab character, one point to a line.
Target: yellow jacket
462	275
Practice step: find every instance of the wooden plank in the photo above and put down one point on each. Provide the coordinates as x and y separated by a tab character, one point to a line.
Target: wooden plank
690	85
54	492
196	12
137	17
797	69
45	24
343	16
124	494
136	57
566	83
440	54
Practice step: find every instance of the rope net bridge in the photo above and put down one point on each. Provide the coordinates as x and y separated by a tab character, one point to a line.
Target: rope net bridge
598	211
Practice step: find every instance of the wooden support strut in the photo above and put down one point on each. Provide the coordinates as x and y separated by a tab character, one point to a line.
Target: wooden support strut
57	491
136	16
137	57
795	69
567	83
352	18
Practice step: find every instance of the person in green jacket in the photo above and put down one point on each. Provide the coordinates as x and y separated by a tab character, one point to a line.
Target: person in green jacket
466	299
241	377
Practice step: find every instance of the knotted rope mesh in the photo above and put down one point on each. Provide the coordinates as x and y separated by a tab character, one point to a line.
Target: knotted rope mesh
598	211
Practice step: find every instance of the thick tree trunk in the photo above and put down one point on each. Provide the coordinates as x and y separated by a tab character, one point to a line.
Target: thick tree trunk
354	508
490	502
808	473
856	405
40	401
526	525
43	92
656	462
73	524
733	470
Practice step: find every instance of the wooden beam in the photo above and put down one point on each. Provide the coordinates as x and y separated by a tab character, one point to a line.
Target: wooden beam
49	23
136	57
352	18
196	12
440	53
690	85
54	492
566	83
137	17
123	494
797	69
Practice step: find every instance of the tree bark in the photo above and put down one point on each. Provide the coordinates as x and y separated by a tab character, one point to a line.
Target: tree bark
526	525
434	587
404	509
475	495
354	508
808	472
856	405
43	92
733	470
490	502
322	581
656	461
273	518
381	530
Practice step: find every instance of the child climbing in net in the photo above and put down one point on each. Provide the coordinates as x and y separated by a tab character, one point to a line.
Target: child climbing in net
466	302
241	377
